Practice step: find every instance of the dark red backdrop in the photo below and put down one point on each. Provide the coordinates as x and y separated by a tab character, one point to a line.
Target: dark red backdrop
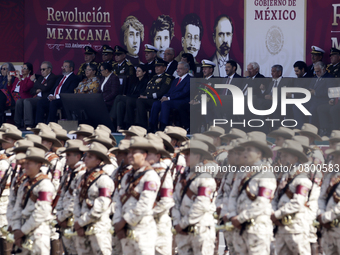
23	26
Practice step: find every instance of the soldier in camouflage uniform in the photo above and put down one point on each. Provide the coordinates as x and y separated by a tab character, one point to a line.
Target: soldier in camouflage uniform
75	170
249	206
133	219
92	204
33	209
193	211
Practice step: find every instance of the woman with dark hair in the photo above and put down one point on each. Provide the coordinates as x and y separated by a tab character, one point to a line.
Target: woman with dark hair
187	57
17	89
118	110
6	68
90	84
109	85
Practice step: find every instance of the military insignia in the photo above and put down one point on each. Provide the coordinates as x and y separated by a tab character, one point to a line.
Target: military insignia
168	81
264	192
45	196
204	191
158	80
150	71
153	87
56	175
122	71
152	186
302	190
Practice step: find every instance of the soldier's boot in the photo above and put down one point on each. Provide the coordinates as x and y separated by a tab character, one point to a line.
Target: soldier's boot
5	247
56	247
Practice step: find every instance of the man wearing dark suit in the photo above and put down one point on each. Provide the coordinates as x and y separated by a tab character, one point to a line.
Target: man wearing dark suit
193	108
40	90
169	57
65	84
178	94
319	102
316	56
300	69
155	90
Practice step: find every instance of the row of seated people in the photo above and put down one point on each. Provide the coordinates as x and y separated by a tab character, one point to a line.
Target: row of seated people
142	93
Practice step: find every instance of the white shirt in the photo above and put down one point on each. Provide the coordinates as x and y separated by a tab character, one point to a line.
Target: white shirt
220	67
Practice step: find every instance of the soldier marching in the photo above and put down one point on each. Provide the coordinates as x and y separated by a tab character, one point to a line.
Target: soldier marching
163	193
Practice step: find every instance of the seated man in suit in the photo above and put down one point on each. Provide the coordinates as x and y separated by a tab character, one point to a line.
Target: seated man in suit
178	94
40	90
65	84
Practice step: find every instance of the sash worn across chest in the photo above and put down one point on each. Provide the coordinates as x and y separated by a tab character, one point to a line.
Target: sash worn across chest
86	183
28	189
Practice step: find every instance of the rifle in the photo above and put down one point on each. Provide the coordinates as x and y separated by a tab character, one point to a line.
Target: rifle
56	199
162	181
50	168
4	180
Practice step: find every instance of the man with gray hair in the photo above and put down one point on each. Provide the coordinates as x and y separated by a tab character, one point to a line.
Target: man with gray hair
169	57
178	94
40	90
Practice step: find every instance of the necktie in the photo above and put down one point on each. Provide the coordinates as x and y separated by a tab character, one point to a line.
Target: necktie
59	86
274	86
225	91
44	81
179	80
316	83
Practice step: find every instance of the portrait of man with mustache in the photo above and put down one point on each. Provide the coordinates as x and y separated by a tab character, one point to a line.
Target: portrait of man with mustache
223	37
192	32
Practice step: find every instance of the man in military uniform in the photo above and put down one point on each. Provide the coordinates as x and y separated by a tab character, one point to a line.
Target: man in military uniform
133	219
90	55
155	89
151	57
92	204
193	211
164	201
290	204
65	205
249	206
334	67
33	209
316	56
122	66
107	55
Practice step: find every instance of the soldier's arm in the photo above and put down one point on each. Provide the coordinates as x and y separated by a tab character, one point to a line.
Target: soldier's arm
16	216
175	212
322	201
334	212
266	188
101	203
166	202
147	197
303	185
231	205
45	193
205	188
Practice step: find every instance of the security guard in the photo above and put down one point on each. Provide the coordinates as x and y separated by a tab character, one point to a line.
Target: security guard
90	55
155	89
122	66
334	68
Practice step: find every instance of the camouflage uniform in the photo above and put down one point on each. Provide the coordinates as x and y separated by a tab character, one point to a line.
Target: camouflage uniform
92	208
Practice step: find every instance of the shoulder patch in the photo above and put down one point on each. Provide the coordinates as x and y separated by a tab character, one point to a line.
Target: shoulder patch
152	186
168	81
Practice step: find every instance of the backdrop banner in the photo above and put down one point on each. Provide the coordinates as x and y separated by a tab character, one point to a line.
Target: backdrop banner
59	30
